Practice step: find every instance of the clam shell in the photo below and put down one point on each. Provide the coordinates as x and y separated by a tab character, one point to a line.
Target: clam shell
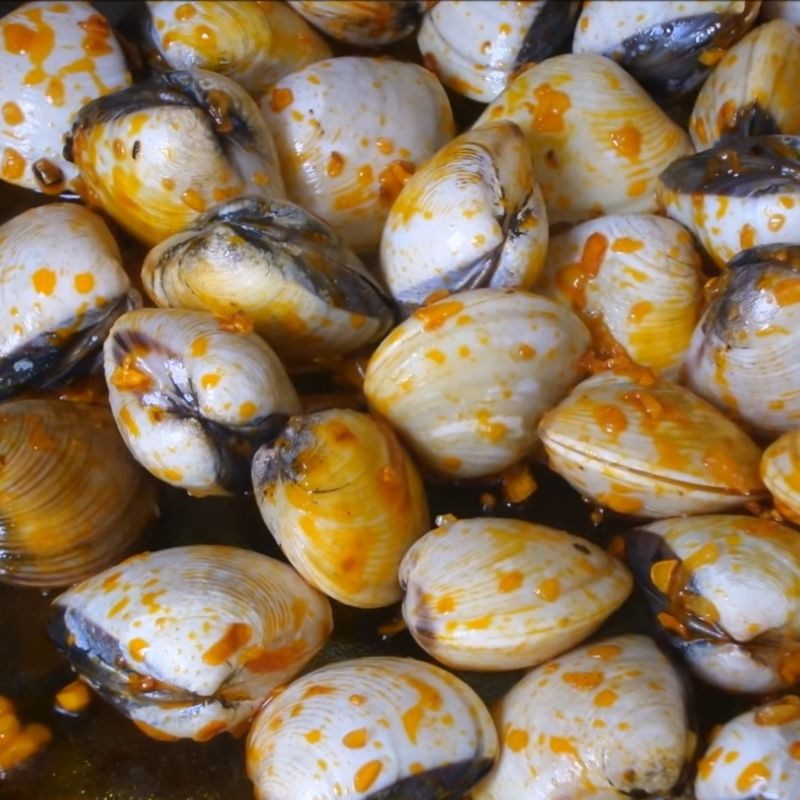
193	399
607	720
189	642
780	471
598	141
72	500
651	451
344	501
371	728
465	380
501	594
781	9
472	216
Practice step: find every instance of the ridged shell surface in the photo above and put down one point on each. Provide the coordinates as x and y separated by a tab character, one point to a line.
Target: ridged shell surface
780	471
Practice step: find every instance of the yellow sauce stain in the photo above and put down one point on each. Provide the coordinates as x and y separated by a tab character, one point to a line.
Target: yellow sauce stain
573	278
12	113
126	418
776	222
359	194
429	700
236	636
752	775
450	463
136	647
312	737
445	605
74	697
620	503
551	105
117	607
605	652
517	739
436	355
13	165
562	747
583	681
194	200
84	282
335	164
210	380
605	698
184	12
639	311
247	409
280	99
747	236
783	712
661	573
44	281
356	739
367	775
199	347
610	418
627	141
706	765
638	187
393	178
549	590
434	316
510	581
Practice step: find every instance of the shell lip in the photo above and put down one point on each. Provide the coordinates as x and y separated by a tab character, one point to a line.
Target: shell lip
782	254
449	780
550	34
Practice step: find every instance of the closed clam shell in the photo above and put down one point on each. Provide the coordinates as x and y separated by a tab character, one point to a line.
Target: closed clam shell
780	471
754	752
363	22
737	194
303	289
55	58
72	500
742	356
650	450
349	132
472	216
189	642
475	47
344	502
751	90
253	43
465	380
501	594
608	720
56	303
598	141
635	280
156	155
193	399
371	728
727	589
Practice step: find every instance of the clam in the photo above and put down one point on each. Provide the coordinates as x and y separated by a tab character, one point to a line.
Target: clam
363	22
727	591
471	216
189	642
737	194
635	281
501	594
303	289
475	47
780	471
371	728
465	380
742	356
156	155
755	752
253	43
650	450
781	9
598	141
344	502
349	132
72	501
55	58
669	47
57	303
608	720
194	396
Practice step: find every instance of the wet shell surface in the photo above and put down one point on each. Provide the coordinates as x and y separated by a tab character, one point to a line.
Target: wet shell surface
193	398
189	642
344	502
781	9
465	380
650	450
472	216
371	728
253	43
635	280
743	353
751	90
502	594
607	720
474	47
363	22
349	132
598	141
669	47
780	471
72	500
737	194
304	290
156	155
55	57
727	590
57	303
756	752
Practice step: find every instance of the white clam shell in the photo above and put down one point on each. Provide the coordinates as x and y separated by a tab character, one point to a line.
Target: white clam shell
55	58
498	594
180	384
633	278
465	380
599	722
219	627
349	131
598	141
652	451
780	471
359	728
781	9
471	216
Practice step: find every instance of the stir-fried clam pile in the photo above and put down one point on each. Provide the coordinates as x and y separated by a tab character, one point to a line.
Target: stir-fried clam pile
265	259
